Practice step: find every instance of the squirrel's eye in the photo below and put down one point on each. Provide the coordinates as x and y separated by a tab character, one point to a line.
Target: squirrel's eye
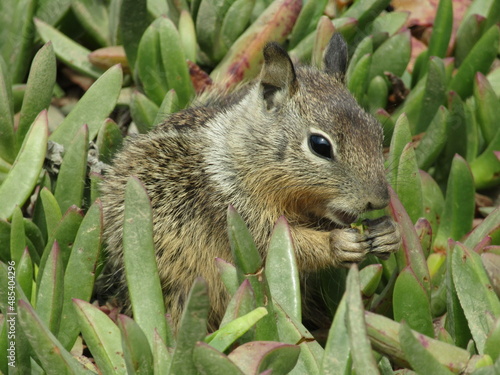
320	146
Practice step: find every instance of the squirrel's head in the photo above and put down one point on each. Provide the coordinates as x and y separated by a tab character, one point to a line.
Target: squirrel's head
327	151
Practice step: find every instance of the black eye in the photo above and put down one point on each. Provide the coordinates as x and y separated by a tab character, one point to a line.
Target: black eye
320	146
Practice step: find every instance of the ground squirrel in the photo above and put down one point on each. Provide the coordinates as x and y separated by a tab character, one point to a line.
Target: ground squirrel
293	143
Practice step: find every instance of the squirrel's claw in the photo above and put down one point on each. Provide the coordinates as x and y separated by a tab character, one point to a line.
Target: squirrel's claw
348	246
384	236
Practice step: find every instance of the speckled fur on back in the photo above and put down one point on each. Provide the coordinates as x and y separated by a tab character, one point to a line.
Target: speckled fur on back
252	150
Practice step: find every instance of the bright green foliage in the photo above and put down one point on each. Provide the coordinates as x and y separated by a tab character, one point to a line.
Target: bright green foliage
443	147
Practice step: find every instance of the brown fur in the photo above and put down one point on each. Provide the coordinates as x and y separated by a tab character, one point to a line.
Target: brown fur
249	149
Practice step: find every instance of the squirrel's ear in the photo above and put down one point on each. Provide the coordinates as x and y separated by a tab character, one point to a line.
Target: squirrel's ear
335	58
278	75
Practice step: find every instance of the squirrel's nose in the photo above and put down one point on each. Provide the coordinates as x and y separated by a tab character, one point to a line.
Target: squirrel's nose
379	199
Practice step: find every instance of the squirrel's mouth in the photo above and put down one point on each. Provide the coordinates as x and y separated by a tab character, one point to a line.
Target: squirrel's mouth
343	218
336	220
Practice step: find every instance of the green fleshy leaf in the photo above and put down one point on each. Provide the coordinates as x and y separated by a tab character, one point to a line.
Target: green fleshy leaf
357	81
34	234
174	62
411	303
51	210
223	338
17	36
281	270
187	34
400	139
49	300
487	107
361	352
486	228
416	352
66	50
133	28
456	322
49	351
389	22
408	185
235	23
412	104
377	93
149	64
433	201
245	253
366	11
468	33
384	336
102	336
424	232
337	357
480	303
80	271
441	30
5	241
306	21
434	94
458	213
145	293
162	358
208	361
24	274
52	11
7	149
492	343
369	279
109	140
21	180
192	329
17	236
486	167
136	348
292	331
71	179
457	137
228	275
364	47
170	104
411	255
143	112
434	140
206	26
249	265
473	132
392	56
259	356
93	15
64	234
241	303
39	89
92	109
479	59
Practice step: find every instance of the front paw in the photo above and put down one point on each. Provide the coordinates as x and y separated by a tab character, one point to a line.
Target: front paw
348	246
384	236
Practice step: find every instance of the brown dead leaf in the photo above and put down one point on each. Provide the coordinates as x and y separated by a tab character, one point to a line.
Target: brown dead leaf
108	56
199	78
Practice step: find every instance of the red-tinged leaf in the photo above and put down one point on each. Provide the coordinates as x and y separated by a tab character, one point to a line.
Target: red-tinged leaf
411	303
411	255
244	58
477	298
258	356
